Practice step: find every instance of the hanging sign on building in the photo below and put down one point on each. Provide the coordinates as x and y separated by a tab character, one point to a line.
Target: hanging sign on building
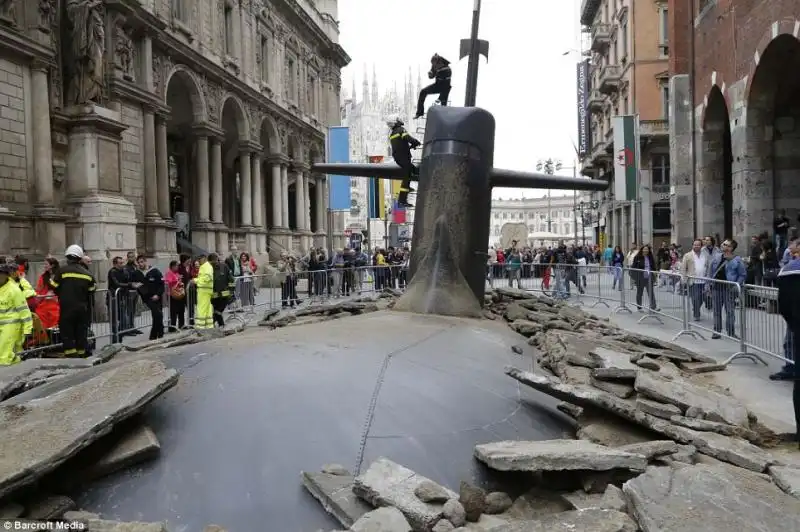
626	157
584	120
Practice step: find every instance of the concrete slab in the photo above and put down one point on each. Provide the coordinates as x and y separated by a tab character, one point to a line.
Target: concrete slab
335	494
137	445
48	507
442	392
386	483
556	455
721	498
12	378
40	435
747	381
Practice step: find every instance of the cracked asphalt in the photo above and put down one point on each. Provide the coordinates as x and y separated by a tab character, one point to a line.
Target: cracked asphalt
254	410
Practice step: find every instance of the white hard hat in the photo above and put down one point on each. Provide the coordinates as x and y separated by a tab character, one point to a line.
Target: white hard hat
74	251
393	119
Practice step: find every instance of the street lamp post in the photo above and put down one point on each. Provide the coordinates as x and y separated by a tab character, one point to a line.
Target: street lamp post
549	167
582	207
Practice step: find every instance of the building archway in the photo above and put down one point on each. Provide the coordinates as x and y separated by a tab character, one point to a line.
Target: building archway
715	177
181	145
771	160
234	127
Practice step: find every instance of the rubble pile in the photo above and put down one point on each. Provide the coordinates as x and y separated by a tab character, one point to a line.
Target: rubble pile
386	299
658	446
72	429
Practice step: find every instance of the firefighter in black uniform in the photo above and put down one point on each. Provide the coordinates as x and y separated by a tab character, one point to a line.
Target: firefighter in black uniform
75	288
441	73
402	143
224	285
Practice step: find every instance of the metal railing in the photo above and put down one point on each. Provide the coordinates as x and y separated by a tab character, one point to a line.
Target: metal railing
122	313
746	314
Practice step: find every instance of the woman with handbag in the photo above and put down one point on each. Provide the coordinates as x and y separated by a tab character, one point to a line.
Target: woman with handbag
177	296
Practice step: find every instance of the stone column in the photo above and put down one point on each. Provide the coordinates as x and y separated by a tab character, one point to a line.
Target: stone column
203	197
258	195
162	168
299	200
42	144
216	180
320	199
246	198
285	194
150	176
277	197
306	201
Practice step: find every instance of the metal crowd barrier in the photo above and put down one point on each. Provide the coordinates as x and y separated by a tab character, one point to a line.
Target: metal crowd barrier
746	314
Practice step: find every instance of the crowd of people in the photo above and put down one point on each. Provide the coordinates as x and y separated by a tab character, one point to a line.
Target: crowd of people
710	275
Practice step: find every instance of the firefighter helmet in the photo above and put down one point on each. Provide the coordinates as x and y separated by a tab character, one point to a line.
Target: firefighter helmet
74	251
393	120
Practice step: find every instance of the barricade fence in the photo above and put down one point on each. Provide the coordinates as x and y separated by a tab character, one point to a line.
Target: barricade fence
123	313
746	314
700	307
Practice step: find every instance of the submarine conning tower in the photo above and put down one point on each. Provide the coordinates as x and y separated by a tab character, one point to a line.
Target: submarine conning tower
454	197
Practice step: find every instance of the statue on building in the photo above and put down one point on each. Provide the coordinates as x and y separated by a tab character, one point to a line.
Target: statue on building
88	48
123	49
8	12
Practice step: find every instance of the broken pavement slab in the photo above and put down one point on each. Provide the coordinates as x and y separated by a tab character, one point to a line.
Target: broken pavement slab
48	507
334	492
13	378
42	434
556	455
684	394
786	478
387	519
135	446
652	449
592	519
95	524
654	408
721	499
386	483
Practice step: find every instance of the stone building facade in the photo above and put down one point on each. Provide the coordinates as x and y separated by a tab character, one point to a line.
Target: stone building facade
550	219
629	48
165	125
735	134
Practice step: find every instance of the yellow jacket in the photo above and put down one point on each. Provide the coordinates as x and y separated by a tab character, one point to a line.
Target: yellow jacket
27	289
380	260
205	277
15	322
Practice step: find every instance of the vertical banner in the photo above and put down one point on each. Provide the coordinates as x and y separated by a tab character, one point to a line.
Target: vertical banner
626	157
375	192
584	119
398	211
339	152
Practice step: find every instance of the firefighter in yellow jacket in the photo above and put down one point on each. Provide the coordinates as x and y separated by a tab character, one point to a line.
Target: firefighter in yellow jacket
204	318
15	317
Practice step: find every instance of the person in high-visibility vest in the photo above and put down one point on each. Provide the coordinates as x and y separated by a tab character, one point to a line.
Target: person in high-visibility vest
15	317
204	318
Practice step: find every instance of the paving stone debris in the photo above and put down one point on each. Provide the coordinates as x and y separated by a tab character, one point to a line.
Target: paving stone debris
35	444
334	491
473	499
386	483
787	478
382	520
556	455
711	499
429	491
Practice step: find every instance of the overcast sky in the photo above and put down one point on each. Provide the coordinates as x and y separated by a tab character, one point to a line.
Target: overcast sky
528	84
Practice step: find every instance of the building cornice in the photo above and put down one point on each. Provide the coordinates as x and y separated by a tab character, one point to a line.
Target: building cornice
21	46
331	49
